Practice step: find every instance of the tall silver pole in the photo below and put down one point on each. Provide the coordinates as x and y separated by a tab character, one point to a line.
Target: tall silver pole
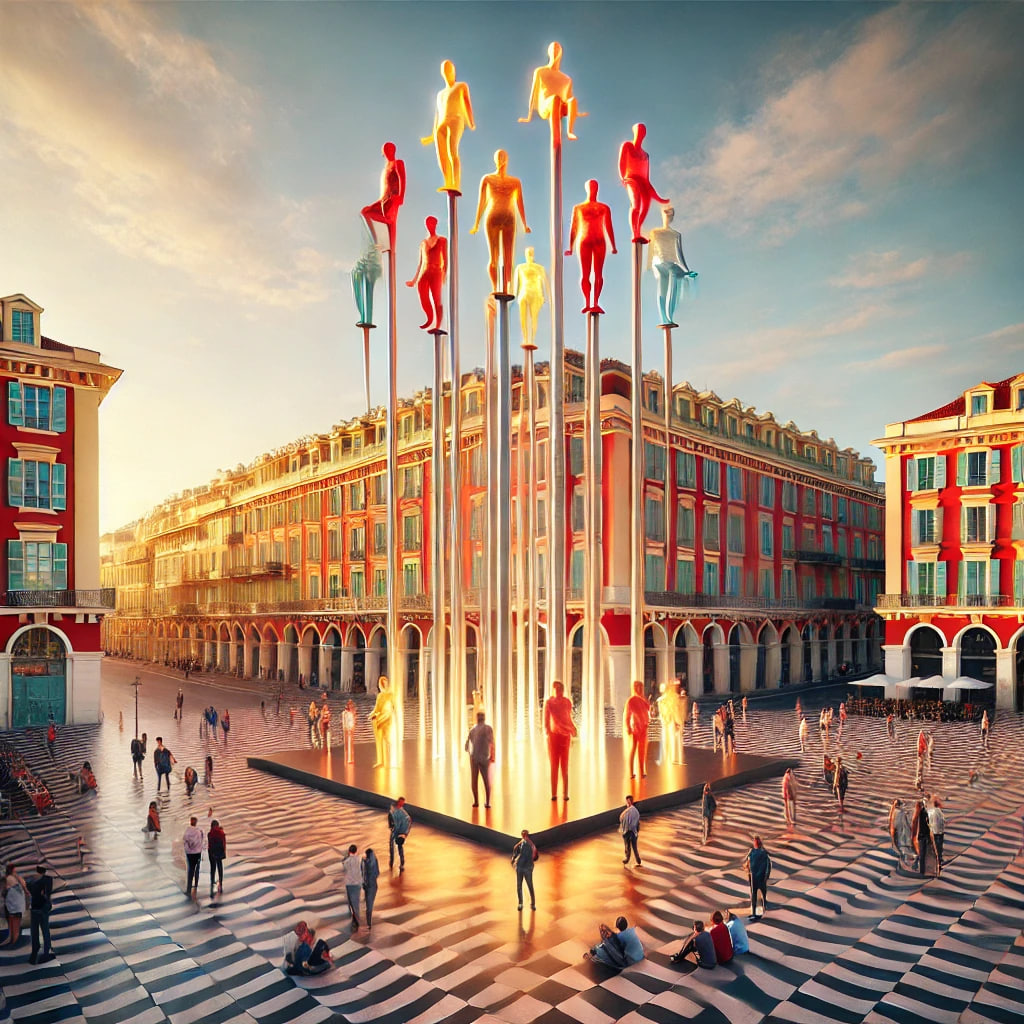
670	462
501	666
393	566
487	589
366	362
437	533
636	574
556	433
456	694
522	548
593	566
531	526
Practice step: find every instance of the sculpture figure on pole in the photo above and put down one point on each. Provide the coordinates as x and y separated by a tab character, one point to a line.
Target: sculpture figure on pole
501	199
381	716
551	96
452	115
635	172
668	713
530	287
430	275
560	730
392	195
637	717
365	275
666	258
590	234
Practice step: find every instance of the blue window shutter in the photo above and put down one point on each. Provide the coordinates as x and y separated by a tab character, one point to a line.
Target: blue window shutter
940	579
59	421
1018	583
994	466
1017	463
60	566
15	406
15	482
911	578
15	565
911	475
993	569
961	469
58	496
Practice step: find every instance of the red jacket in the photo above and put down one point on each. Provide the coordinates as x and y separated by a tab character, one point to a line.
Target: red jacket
217	843
723	942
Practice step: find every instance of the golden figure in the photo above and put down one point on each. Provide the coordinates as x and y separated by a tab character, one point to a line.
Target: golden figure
501	198
592	233
551	96
430	275
530	287
452	115
382	715
671	727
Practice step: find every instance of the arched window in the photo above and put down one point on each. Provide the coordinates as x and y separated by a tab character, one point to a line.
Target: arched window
38	678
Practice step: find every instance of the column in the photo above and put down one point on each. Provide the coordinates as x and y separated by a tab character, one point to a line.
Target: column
347	668
720	657
897	661
695	671
1004	679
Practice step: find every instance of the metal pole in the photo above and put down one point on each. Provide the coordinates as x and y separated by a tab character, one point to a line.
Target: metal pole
532	526
593	566
487	623
670	462
455	698
502	591
556	431
136	684
437	575
522	548
636	575
394	581
366	362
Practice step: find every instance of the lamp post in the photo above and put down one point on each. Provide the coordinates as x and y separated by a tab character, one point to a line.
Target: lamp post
136	685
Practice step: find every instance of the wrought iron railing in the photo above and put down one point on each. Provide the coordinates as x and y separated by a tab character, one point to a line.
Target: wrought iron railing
891	601
103	598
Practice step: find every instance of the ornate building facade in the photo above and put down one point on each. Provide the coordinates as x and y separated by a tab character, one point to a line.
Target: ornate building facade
955	541
763	549
50	647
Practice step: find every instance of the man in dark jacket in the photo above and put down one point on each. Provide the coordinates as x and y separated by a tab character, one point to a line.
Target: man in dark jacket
40	891
759	867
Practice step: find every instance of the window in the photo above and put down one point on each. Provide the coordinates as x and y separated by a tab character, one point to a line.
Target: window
734	482
1018	578
922	526
733	580
975	577
788	588
766	583
380	490
314	587
710	577
654	519
977	524
412	532
578	510
712	477
334	585
707	417
978	468
380	582
41	408
653	400
685	527
735	534
334	542
313	547
412	482
767	538
654	572
842	510
979	405
926	473
858	546
788	546
541	520
685	576
810	502
686	470
477	478
711	530
767	492
23	327
357	542
295	549
380	538
33	484
471	406
36	565
1017	461
576	455
411	579
654	461
789	496
356	498
826	505
312	508
574	388
476	520
577	568
826	542
358	583
856	513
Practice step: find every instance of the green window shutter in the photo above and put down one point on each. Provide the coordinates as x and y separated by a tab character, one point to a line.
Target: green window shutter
60	566
15	405
993	571
995	463
1018	583
59	420
940	579
961	588
15	482
1017	463
15	565
911	578
911	475
961	469
940	471
58	495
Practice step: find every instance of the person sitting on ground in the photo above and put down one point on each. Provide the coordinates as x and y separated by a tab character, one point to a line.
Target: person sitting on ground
737	932
618	950
721	938
700	944
153	820
86	778
191	778
304	953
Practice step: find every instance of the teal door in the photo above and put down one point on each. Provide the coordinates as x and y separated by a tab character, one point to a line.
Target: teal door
38	679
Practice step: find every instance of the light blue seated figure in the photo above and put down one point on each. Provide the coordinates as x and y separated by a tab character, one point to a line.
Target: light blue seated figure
665	257
365	275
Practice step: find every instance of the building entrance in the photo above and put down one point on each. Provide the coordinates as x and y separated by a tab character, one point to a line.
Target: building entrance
38	678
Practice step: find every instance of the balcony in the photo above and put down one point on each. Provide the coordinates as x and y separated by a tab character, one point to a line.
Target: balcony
670	599
897	601
868	564
236	538
60	598
812	556
252	570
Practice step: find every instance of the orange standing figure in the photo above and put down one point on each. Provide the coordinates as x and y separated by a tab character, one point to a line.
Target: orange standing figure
590	234
431	274
638	720
392	195
560	729
635	172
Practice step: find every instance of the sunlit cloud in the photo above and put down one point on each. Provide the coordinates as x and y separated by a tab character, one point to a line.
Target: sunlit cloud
875	270
899	358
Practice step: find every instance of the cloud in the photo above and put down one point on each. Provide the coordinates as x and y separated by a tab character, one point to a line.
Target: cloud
898	358
1010	337
912	89
889	269
149	144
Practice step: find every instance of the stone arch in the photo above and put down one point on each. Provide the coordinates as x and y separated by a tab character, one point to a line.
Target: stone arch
714	674
925	642
767	669
309	653
789	655
411	642
656	661
976	648
39	657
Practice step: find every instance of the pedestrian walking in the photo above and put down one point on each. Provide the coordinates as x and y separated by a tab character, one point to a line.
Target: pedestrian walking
840	782
179	704
217	850
985	729
152	826
352	872
371	872
51	740
759	867
348	732
208	772
138	749
789	788
524	856
890	726
629	828
15	901
40	893
708	806
899	831
743	706
163	759
922	837
480	747
400	823
803	733
728	731
225	724
842	718
193	842
325	725
937	826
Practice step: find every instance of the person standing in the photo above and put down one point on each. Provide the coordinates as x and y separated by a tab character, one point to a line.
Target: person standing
842	718
937	826
138	749
840	782
559	729
890	726
352	872
51	740
480	747
728	731
225	724
922	836
759	868
325	725
179	704
193	843
400	823
789	788
708	806
803	733
162	760
15	901
985	728
208	772
524	856
743	706
217	850
40	891
629	827
370	873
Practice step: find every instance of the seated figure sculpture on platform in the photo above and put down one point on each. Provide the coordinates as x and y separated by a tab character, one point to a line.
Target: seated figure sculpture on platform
637	717
551	96
382	716
617	949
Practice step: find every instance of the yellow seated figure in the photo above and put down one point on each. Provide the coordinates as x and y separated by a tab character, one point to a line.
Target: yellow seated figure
552	98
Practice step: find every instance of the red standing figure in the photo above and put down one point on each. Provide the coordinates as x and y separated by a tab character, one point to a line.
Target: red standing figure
560	729
635	172
430	275
392	195
590	234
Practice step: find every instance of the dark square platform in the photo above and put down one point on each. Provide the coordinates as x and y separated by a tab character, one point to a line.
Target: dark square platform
437	790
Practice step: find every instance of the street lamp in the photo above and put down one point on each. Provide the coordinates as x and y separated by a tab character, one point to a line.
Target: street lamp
136	684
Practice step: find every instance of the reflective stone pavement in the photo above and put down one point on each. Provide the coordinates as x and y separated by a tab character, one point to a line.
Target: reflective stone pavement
848	936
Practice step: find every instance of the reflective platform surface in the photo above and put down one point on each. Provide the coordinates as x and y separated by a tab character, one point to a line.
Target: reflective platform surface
438	791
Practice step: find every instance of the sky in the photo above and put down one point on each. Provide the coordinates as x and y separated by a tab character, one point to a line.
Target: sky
181	187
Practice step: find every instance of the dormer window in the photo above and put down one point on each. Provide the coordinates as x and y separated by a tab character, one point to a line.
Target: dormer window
23	327
1020	399
979	405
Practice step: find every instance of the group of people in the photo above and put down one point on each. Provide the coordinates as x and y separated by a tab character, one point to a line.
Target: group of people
209	720
36	896
917	832
215	844
715	943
